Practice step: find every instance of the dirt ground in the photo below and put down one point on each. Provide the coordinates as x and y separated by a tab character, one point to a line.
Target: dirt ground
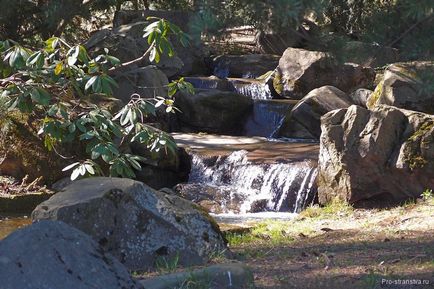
343	248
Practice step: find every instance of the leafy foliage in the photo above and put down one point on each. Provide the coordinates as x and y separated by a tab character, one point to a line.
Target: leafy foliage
404	24
54	84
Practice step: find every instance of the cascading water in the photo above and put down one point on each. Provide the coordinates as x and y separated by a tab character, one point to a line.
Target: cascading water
252	89
278	187
267	118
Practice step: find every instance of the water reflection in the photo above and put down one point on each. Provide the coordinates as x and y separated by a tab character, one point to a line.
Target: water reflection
8	224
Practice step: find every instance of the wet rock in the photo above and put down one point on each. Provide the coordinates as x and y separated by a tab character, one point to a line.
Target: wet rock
406	85
301	71
158	178
51	254
148	82
385	155
244	66
215	199
294	130
23	203
135	223
213	111
267	117
223	276
360	96
307	113
211	82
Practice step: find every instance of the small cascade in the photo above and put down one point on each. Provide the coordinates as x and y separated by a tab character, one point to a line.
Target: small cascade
278	187
254	89
267	117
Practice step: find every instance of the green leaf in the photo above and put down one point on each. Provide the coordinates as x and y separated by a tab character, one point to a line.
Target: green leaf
90	82
40	96
51	44
113	60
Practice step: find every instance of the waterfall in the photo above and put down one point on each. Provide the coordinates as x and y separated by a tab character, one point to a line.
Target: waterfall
267	118
253	89
279	187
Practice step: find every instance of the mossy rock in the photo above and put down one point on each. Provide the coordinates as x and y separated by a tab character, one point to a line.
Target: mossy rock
22	151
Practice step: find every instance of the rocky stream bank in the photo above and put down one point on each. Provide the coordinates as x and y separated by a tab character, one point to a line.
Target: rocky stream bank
262	133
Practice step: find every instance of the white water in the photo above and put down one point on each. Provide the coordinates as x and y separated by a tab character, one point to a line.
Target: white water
242	218
253	90
281	186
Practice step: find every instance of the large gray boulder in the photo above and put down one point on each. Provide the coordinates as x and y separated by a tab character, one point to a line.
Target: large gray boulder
135	223
406	85
213	111
307	113
148	82
50	254
301	71
244	66
383	155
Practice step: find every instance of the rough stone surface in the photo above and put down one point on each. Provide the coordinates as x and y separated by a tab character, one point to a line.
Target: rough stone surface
406	85
213	111
301	71
51	254
360	96
244	66
147	81
22	151
292	129
135	223
383	155
223	276
216	200
307	113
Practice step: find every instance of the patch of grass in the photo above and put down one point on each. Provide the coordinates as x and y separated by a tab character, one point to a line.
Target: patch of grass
335	208
218	256
371	280
427	195
167	265
410	203
196	282
271	232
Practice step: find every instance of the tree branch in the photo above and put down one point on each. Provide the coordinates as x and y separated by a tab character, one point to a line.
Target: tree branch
126	65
